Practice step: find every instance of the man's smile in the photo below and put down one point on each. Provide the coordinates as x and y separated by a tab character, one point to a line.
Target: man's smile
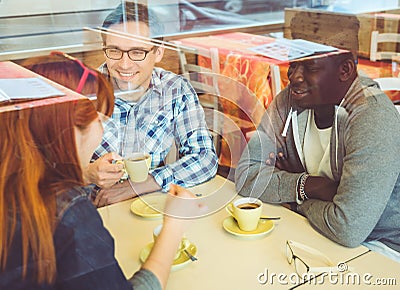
126	74
298	93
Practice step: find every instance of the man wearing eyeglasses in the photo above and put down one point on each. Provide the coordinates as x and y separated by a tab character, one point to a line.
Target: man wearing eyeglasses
329	145
154	109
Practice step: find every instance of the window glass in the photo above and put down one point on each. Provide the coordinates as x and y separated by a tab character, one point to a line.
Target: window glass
27	30
187	16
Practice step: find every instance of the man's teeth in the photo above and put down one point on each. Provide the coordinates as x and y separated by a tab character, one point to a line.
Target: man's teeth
126	74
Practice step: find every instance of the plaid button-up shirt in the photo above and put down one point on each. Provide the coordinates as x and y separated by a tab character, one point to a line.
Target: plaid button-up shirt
168	113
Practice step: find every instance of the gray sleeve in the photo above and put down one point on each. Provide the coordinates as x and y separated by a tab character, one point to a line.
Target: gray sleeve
370	169
145	280
253	177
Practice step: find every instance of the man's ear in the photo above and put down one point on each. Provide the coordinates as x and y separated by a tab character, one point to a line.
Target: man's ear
347	70
159	53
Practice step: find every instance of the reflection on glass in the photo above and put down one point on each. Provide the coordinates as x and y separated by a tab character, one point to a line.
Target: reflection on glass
42	27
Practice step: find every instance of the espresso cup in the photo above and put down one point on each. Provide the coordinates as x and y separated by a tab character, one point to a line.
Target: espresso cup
137	166
183	245
247	212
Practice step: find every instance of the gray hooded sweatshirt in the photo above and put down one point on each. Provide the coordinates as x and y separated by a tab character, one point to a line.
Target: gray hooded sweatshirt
364	159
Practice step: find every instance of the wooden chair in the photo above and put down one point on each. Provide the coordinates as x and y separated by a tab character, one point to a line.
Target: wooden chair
218	95
383	38
388	84
275	80
205	82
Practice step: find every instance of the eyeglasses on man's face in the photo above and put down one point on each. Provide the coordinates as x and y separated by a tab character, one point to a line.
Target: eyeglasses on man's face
134	54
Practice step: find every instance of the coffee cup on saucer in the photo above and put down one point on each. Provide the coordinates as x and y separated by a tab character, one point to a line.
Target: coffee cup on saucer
247	212
183	245
137	166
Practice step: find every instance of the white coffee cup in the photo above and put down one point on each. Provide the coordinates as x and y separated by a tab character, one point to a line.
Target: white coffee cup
137	166
184	244
247	212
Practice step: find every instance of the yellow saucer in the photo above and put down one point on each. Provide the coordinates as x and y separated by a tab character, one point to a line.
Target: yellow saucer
178	263
149	206
263	228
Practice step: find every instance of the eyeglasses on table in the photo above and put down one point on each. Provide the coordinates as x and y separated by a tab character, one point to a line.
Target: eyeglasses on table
301	267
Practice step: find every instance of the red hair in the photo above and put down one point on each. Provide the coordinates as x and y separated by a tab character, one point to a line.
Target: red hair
68	72
39	160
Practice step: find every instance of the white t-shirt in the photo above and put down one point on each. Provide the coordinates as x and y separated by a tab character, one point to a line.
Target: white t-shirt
316	149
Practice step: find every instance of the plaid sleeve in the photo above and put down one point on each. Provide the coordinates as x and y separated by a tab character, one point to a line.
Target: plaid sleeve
199	161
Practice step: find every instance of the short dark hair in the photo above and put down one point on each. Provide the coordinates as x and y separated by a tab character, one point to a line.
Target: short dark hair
336	58
137	12
341	57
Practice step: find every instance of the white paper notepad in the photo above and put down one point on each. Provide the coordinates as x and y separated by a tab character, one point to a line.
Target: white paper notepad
289	49
26	88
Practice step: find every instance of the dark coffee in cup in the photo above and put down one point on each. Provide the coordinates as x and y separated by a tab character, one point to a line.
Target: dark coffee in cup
137	166
136	159
248	205
247	212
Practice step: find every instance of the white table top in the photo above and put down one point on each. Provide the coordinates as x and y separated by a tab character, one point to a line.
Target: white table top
224	261
369	271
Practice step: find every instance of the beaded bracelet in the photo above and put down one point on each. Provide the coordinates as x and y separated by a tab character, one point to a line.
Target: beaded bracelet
303	196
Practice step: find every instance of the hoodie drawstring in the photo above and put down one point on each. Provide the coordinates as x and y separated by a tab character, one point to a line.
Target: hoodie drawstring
287	123
292	118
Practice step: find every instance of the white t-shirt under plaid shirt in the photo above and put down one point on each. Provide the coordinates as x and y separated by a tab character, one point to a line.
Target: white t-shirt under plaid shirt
168	112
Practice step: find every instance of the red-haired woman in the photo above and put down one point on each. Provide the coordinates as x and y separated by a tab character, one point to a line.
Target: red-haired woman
51	236
73	74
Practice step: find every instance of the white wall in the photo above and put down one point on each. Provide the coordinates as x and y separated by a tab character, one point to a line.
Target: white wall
28	7
361	6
